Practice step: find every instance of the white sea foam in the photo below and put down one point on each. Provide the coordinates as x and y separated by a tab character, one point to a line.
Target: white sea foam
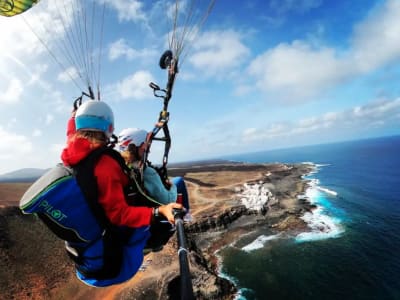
313	190
239	295
259	242
328	191
224	275
322	165
321	226
312	171
311	193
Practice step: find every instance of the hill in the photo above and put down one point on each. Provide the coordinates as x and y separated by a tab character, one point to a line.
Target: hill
31	174
22	241
22	175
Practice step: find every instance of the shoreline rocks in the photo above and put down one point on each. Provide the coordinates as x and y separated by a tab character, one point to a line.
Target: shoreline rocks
260	208
219	219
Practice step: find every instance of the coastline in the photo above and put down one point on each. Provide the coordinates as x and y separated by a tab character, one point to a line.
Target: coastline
282	214
219	219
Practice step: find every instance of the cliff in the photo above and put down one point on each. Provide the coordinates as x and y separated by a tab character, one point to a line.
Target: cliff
33	263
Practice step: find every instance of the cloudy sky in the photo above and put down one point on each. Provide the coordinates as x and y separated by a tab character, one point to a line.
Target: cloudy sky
260	75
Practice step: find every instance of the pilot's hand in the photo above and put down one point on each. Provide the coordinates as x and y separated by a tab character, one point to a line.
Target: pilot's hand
167	211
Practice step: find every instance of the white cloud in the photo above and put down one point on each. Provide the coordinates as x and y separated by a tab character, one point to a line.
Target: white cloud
57	148
37	133
217	52
36	76
19	151
13	145
11	123
376	110
45	32
330	116
327	127
17	31
49	119
13	92
374	114
279	11
35	26
135	86
299	71
69	74
120	48
22	53
284	6
131	10
376	40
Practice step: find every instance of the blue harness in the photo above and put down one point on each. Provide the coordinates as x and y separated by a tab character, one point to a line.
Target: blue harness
65	200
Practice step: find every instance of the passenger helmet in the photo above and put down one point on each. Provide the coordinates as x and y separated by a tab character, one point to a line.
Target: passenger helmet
95	115
131	136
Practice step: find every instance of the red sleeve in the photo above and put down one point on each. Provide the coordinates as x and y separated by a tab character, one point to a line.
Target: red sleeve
111	181
71	127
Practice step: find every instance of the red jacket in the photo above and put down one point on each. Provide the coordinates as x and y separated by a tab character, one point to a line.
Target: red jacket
111	181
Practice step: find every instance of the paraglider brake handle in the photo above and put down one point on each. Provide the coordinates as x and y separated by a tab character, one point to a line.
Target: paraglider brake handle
157	90
78	101
90	95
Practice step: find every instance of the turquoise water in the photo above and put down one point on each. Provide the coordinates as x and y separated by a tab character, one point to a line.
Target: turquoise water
353	249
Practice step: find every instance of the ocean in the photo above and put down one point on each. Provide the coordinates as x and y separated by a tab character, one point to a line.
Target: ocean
353	249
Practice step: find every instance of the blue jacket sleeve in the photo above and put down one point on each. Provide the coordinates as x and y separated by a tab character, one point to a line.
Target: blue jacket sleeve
156	189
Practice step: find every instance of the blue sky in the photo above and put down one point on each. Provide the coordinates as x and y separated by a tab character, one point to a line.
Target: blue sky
260	75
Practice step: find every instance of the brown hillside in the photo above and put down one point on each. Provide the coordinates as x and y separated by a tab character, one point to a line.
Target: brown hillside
26	247
34	265
10	193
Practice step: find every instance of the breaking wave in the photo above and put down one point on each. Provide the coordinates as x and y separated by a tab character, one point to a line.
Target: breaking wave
259	242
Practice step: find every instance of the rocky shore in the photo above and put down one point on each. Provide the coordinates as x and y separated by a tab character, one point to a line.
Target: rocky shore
228	200
228	203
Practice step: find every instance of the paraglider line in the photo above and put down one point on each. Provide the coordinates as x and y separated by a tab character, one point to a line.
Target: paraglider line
51	53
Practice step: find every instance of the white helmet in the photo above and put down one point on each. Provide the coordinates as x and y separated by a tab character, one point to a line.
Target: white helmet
130	136
95	115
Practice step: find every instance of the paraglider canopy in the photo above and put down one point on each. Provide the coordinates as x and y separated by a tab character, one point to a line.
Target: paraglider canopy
72	31
11	8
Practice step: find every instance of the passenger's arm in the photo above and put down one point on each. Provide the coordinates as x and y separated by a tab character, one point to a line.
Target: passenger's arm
156	189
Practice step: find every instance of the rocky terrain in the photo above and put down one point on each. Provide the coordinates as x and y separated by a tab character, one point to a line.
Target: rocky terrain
227	201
